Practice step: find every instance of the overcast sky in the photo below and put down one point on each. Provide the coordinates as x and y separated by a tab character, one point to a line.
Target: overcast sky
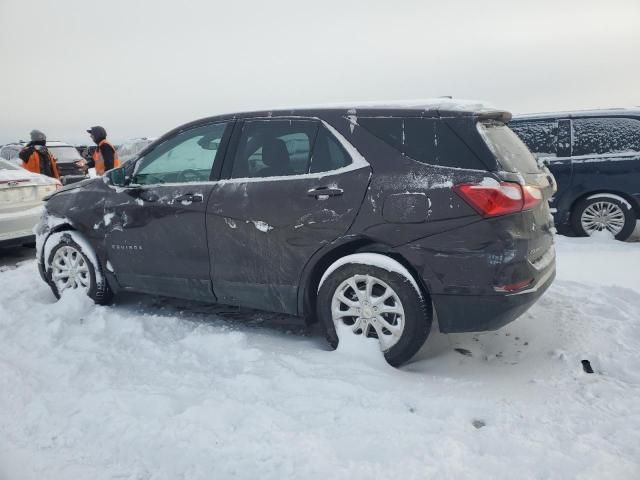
140	68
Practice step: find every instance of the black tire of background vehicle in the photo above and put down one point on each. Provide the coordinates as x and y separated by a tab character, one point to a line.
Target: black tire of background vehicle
582	205
418	310
101	292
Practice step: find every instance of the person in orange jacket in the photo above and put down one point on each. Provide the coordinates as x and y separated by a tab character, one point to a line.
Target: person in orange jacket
104	157
37	158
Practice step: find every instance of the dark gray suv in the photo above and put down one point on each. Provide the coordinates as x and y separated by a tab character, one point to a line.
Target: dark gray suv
364	218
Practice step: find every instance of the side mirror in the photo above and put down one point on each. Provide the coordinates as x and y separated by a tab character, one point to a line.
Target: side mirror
118	177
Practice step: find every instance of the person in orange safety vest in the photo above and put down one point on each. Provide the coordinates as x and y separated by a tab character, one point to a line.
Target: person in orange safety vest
37	158
104	157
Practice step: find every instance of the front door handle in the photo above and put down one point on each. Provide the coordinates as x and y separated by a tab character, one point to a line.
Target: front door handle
322	193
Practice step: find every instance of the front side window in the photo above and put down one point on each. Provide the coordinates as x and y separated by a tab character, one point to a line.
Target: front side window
598	136
541	136
274	148
187	157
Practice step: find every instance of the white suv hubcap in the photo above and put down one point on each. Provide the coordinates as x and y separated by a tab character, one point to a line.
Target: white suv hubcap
69	269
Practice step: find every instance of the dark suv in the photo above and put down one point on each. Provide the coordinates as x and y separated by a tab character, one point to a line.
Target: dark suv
595	158
363	218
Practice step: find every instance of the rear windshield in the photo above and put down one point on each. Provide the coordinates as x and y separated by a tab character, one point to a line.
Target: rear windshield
512	154
65	154
6	165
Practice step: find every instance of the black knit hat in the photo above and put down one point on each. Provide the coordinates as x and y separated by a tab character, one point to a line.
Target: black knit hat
98	133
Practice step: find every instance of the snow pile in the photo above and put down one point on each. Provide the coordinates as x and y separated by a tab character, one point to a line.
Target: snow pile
151	388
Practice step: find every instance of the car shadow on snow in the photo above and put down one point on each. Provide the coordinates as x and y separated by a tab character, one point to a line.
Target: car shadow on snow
231	317
441	352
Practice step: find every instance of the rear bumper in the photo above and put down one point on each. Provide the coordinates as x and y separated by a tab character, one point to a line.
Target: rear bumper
17	227
17	241
479	313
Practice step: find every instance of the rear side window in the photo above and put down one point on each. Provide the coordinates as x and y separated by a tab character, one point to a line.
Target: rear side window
605	135
328	154
274	148
512	154
541	136
425	140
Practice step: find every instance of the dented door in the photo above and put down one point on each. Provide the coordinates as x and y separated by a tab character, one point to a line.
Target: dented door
156	236
156	240
262	233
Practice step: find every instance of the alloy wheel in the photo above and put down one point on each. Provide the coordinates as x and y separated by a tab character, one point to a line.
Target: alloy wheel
369	307
602	215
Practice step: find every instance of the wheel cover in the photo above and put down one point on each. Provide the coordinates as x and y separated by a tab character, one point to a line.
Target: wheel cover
369	307
69	269
601	216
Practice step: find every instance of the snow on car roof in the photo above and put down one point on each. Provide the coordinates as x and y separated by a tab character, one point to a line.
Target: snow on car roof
448	104
579	113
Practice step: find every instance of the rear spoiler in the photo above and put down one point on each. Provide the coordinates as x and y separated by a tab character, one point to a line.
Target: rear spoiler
498	115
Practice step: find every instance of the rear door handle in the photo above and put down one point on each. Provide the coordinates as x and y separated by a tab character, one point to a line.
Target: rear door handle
322	193
189	197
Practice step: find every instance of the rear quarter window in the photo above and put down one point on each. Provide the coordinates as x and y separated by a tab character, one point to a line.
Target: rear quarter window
426	140
512	154
597	136
541	136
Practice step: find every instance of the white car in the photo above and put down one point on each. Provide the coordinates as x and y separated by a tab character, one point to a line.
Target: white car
21	201
71	165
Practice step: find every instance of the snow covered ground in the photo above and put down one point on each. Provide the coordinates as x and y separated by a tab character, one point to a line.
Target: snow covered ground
161	389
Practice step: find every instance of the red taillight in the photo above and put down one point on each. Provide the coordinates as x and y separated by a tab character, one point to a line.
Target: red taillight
494	199
532	197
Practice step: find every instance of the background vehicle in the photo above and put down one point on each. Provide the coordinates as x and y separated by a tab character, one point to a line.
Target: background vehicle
69	160
10	151
129	149
21	201
595	159
70	163
364	218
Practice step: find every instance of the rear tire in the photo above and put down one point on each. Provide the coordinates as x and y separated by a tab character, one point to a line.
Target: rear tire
401	322
70	267
603	213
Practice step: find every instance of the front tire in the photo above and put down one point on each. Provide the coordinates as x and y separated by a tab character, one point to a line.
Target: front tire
603	213
69	266
375	302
